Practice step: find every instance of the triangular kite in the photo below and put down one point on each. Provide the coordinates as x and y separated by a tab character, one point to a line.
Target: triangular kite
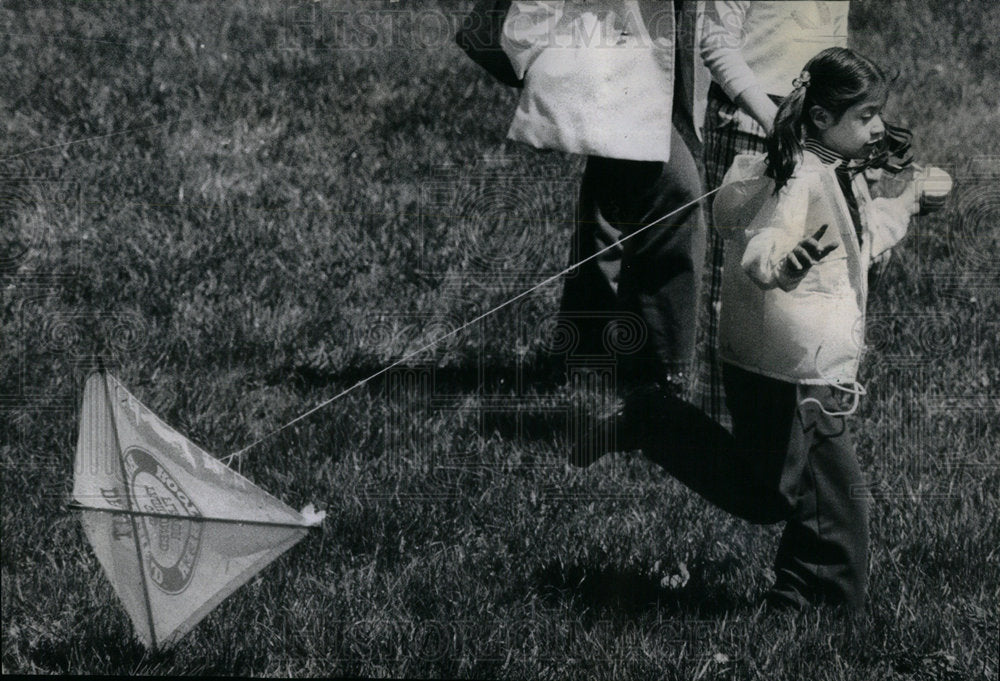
175	530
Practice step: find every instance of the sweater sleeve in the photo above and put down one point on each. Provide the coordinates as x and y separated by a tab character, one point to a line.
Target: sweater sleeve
722	37
777	228
889	219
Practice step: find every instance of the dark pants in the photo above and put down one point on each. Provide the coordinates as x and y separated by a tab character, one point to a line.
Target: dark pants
782	462
649	283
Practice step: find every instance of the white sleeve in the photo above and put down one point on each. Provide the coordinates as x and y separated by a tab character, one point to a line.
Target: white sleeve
721	43
778	227
888	221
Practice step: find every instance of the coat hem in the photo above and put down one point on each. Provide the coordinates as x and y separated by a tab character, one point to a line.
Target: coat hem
783	377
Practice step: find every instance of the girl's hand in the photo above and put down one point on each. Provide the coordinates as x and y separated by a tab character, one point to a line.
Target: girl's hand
805	255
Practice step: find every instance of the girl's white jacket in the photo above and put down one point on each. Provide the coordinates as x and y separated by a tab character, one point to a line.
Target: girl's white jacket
810	329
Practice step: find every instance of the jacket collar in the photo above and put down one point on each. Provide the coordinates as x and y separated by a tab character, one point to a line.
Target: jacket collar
827	155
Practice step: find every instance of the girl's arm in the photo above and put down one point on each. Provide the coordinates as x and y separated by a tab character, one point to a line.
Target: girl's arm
776	231
890	218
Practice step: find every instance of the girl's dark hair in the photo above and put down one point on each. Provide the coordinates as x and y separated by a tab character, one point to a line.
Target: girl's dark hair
838	78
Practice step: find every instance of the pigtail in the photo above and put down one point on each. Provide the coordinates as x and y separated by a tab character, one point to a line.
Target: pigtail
784	144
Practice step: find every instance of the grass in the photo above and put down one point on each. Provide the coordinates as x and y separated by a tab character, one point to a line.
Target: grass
242	225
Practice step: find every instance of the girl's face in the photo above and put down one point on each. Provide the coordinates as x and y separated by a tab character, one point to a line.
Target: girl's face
856	133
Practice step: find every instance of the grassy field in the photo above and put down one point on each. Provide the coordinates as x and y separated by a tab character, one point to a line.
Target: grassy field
244	208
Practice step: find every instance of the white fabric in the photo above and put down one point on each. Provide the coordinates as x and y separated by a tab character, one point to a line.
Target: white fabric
175	530
598	76
813	332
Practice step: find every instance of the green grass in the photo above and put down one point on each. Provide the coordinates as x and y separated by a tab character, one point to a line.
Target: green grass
242	227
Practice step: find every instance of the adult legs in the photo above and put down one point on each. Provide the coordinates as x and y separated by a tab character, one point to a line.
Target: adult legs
661	265
654	291
590	294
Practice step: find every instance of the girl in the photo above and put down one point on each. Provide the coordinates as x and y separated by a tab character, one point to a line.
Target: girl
754	50
792	329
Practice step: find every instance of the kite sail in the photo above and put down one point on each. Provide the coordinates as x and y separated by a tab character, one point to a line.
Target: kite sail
174	529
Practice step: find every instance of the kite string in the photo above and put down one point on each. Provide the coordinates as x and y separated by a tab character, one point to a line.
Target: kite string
226	460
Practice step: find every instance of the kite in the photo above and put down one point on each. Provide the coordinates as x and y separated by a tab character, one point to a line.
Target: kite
175	530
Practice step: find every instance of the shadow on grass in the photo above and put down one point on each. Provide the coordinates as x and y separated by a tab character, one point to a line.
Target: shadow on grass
522	403
525	425
57	657
51	656
544	373
632	592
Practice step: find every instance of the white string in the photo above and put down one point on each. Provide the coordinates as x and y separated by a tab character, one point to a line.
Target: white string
854	388
464	326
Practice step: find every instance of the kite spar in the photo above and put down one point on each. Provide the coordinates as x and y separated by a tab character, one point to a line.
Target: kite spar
174	529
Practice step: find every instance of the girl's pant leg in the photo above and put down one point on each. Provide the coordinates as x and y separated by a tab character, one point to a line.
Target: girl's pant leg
767	437
781	462
823	554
